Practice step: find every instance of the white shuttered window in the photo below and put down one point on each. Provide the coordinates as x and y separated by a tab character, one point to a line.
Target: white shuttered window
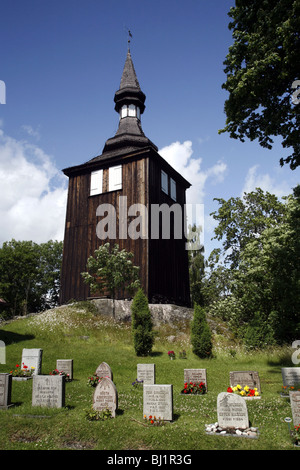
115	178
173	189
96	182
164	182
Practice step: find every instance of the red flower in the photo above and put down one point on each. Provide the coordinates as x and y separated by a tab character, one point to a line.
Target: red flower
17	365
229	390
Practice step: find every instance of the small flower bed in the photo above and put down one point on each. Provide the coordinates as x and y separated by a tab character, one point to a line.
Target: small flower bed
137	384
171	354
23	371
296	435
244	392
153	421
292	388
192	388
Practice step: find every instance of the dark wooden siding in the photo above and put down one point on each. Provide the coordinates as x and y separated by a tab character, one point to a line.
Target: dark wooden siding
81	239
168	259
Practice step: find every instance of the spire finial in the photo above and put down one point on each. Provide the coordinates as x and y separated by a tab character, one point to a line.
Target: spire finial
129	38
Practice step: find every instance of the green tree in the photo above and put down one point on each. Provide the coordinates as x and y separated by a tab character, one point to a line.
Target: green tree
30	275
261	67
201	337
111	269
141	322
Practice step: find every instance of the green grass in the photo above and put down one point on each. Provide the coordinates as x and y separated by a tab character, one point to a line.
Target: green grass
74	332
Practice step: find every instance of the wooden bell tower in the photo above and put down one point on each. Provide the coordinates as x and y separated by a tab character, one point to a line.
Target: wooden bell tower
132	179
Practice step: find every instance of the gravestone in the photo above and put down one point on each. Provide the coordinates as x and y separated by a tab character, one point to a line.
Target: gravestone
66	366
5	391
48	391
106	396
158	401
232	411
295	404
32	358
103	370
146	373
290	376
245	377
2	353
195	375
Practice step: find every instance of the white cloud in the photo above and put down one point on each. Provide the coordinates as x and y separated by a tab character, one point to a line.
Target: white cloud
179	156
33	193
266	182
32	132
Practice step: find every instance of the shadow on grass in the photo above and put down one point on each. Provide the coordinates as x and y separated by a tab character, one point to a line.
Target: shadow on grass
10	337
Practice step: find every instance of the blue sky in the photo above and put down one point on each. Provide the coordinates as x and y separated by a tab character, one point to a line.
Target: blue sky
62	62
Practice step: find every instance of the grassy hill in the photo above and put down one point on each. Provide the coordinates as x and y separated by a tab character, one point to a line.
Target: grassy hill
76	332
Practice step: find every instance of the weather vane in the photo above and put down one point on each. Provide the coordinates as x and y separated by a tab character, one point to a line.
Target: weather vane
129	37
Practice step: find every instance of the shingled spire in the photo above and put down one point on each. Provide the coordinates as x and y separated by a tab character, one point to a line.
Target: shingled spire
130	104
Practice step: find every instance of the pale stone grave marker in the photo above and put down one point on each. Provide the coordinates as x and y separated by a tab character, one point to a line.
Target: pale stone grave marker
232	411
158	401
195	375
2	353
5	391
48	391
32	358
106	396
103	370
295	405
245	377
146	373
290	376
66	366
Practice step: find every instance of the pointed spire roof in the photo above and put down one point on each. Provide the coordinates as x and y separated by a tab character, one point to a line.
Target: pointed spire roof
130	91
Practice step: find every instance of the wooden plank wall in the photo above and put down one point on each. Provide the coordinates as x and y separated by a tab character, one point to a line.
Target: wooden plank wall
81	239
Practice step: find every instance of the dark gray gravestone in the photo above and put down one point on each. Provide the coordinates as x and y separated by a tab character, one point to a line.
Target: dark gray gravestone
5	391
106	396
48	391
245	377
290	376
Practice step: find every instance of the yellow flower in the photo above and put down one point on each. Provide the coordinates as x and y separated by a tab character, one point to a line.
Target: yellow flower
246	388
243	392
256	394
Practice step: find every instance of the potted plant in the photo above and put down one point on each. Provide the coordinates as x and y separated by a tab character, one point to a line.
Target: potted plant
296	435
171	355
22	373
245	392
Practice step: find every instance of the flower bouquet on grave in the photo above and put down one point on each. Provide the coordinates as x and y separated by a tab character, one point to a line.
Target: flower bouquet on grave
23	371
296	435
193	388
171	355
60	372
244	392
93	380
292	388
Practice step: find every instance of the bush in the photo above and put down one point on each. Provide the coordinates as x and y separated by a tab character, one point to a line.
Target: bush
141	321
201	337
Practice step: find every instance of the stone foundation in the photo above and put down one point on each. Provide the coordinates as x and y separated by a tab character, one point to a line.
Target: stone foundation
161	313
